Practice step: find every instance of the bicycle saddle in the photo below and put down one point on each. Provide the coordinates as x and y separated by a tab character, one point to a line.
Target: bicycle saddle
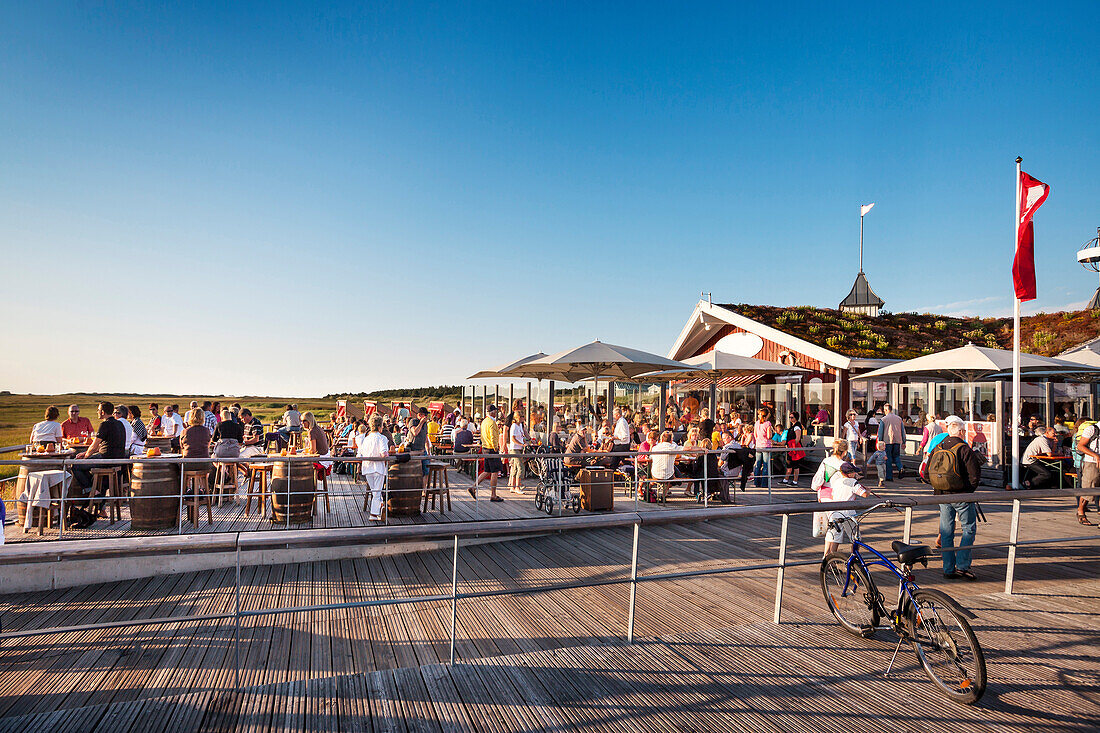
909	554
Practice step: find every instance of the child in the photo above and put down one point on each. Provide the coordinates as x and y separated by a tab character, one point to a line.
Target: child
843	486
878	458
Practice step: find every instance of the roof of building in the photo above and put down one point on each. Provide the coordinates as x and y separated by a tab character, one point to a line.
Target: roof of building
906	335
861	295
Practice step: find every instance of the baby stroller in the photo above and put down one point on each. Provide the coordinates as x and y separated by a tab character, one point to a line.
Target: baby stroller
556	485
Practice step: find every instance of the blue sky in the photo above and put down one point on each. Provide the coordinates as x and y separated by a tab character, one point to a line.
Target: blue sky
283	199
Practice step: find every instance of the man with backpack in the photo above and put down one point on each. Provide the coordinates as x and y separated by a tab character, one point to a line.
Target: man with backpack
953	468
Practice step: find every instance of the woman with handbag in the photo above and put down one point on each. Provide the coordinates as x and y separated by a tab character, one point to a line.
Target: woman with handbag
793	440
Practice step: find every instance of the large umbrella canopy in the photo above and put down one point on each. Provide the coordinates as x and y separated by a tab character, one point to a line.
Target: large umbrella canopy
595	360
717	365
501	370
1085	354
972	363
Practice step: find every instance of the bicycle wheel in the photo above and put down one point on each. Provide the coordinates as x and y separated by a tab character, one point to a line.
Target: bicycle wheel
857	609
947	647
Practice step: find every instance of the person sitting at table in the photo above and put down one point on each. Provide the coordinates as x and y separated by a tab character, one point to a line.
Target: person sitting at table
556	441
228	437
48	432
252	435
663	456
122	414
109	443
463	437
433	429
1040	474
577	444
290	422
316	444
195	443
76	426
141	434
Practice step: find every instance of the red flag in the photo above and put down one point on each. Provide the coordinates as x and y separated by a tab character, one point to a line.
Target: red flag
1032	195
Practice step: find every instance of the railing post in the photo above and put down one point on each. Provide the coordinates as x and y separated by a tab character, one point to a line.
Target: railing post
768	468
907	536
64	491
454	599
180	529
637	481
633	585
1013	535
706	492
782	568
237	623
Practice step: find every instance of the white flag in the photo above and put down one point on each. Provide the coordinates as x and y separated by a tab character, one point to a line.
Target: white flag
865	208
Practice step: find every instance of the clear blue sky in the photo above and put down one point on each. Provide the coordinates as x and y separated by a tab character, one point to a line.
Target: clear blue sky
285	200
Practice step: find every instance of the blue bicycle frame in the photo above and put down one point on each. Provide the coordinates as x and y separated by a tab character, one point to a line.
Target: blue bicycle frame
905	584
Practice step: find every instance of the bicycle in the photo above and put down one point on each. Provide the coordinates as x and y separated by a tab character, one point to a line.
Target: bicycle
934	624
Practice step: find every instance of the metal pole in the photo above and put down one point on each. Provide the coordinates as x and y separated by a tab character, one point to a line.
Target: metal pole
637	481
861	239
908	525
237	621
633	585
64	491
706	485
454	598
528	402
1015	352
181	501
1013	535
782	567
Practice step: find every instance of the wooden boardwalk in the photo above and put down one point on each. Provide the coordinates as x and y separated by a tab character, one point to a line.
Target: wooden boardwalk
553	659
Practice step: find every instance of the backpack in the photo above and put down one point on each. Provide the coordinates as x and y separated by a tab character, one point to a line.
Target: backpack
1094	444
945	470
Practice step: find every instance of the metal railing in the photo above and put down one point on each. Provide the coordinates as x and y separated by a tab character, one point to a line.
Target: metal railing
258	541
632	480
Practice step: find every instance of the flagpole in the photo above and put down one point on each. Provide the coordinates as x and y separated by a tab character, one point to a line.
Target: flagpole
861	239
1016	344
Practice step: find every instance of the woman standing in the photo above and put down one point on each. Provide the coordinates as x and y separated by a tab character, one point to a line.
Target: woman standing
793	439
852	434
762	442
517	440
374	445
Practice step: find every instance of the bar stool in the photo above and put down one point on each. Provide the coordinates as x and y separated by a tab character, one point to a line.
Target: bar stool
225	477
271	443
192	481
106	481
436	487
322	487
257	476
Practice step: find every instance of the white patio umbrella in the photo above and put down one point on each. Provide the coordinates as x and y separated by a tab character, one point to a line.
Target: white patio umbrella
972	363
1088	353
717	365
501	370
595	360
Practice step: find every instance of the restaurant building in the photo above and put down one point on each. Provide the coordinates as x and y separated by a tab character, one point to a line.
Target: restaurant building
838	345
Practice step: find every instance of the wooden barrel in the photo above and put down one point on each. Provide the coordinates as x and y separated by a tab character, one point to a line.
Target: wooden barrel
159	441
405	482
302	484
154	489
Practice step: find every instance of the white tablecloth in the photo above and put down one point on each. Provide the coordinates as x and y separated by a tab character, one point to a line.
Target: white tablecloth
37	492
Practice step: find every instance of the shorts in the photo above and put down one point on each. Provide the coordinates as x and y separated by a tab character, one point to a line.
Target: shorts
838	535
1090	475
424	467
492	463
515	467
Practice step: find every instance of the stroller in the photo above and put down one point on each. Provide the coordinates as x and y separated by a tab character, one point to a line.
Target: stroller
556	485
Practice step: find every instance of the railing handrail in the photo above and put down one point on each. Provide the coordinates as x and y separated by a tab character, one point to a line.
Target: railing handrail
146	546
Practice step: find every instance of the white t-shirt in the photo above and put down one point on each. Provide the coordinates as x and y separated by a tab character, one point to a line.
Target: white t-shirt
373	445
622	432
129	433
516	438
830	465
47	431
1088	434
664	467
844	488
851	434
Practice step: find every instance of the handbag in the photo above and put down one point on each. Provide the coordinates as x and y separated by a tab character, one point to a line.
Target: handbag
820	524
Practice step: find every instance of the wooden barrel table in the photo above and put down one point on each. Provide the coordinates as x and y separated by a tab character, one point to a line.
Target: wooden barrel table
293	486
42	462
159	441
405	482
154	492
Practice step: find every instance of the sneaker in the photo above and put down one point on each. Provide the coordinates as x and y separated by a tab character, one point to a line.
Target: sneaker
785	481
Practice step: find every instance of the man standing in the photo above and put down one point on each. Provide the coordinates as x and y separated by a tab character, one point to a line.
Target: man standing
891	434
620	438
493	466
953	468
172	426
76	426
1088	445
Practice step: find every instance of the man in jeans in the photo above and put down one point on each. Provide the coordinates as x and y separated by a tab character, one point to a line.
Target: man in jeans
891	434
956	564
